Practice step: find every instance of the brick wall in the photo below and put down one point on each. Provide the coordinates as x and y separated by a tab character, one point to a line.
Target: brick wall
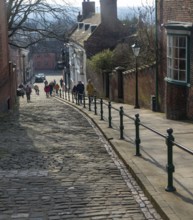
146	86
7	77
3	37
179	99
44	61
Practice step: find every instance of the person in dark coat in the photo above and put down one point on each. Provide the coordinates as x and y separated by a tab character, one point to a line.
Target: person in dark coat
28	91
61	83
74	92
80	91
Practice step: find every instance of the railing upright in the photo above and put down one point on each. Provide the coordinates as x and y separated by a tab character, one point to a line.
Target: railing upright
121	112
84	101
110	117
68	94
65	95
95	105
170	167
137	137
101	103
89	103
72	97
77	98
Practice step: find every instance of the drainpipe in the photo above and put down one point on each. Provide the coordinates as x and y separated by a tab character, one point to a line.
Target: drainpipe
156	47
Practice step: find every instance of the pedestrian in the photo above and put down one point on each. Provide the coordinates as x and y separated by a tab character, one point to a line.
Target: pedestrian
21	90
45	82
80	91
47	90
61	82
36	88
28	92
57	87
90	90
51	87
74	92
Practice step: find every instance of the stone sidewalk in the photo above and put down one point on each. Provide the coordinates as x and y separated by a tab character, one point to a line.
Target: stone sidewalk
150	169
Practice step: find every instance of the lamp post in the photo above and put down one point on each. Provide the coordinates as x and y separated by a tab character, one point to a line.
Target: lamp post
65	55
136	50
24	78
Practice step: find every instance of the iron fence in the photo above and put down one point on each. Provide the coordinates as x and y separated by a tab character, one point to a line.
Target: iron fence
113	115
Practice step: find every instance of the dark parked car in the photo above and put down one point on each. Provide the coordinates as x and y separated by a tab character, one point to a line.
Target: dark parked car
42	75
38	79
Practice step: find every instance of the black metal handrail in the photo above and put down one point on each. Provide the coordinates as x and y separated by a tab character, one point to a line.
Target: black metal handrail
169	138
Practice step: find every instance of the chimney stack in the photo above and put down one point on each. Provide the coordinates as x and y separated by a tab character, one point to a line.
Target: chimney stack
88	8
108	10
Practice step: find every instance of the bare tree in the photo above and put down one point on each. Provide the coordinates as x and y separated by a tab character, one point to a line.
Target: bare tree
146	30
31	21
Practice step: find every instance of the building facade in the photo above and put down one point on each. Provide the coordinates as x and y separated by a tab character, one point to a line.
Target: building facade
44	61
175	26
93	33
8	82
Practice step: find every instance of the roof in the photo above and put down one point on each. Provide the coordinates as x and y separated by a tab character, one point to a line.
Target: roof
85	28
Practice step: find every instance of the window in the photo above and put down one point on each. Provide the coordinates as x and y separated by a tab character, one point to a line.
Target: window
177	58
178	54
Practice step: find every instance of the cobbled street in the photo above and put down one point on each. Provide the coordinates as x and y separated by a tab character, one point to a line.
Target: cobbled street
55	164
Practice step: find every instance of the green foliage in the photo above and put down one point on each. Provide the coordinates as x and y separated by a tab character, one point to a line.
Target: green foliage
102	61
121	55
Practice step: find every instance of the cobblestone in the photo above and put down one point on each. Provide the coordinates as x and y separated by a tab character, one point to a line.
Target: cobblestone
55	164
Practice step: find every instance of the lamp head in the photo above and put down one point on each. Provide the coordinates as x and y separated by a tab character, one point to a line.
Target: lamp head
135	49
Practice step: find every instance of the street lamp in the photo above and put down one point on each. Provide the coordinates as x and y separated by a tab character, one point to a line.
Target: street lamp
65	57
24	77
136	50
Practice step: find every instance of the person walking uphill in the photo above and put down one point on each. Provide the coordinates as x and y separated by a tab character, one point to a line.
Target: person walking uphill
47	90
57	87
90	90
28	92
61	83
80	91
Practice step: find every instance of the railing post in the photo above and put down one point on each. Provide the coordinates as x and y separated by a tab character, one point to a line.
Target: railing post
84	101
110	117
121	112
89	103
137	137
60	93
170	167
95	105
72	97
76	98
101	103
68	94
65	95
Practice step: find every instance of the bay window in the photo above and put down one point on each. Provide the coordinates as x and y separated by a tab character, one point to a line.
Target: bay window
177	52
177	58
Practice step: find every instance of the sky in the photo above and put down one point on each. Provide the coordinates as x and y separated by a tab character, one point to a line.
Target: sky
120	3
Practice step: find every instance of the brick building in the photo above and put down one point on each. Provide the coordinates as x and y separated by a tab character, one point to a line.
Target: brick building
8	80
45	55
175	25
93	33
44	61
